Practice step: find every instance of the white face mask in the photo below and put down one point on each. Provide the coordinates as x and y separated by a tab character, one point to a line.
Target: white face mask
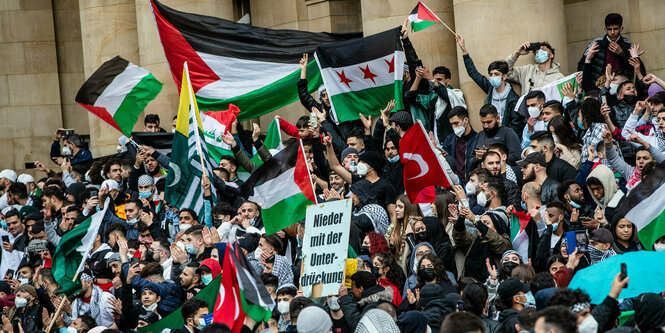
184	227
588	325
482	199
534	112
613	88
20	302
283	307
362	169
150	307
257	253
659	247
66	151
470	188
459	131
556	140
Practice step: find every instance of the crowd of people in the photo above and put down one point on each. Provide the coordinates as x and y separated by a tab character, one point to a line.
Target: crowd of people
448	266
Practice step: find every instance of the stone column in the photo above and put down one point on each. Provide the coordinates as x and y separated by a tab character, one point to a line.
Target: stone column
29	92
152	56
492	30
435	45
108	29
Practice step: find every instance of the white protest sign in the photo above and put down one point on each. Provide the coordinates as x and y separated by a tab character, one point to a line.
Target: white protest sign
325	247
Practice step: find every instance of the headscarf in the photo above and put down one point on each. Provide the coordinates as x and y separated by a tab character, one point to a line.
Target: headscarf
376	321
377	215
436	235
282	270
606	177
412	259
412	321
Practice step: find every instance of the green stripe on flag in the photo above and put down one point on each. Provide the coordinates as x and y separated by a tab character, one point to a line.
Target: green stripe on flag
652	231
417	26
293	207
271	97
254	311
368	101
134	103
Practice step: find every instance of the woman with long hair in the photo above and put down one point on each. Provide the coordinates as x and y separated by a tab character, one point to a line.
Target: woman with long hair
432	270
440	210
567	146
404	209
389	274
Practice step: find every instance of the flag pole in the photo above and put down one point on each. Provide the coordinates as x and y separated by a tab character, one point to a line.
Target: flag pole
57	313
198	121
451	30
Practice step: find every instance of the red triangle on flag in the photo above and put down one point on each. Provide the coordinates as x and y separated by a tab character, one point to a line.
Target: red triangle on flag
425	14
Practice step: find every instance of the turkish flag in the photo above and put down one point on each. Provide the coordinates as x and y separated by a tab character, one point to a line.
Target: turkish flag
228	307
422	168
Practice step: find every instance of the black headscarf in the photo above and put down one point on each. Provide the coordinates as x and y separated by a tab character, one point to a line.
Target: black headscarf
438	237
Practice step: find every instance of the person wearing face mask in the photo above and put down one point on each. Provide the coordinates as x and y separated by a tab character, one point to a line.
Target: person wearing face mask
193	311
91	300
430	230
132	210
534	102
460	143
150	298
513	296
73	148
389	275
393	170
208	270
493	132
537	75
499	92
27	309
552	237
285	295
339	323
659	244
600	245
152	275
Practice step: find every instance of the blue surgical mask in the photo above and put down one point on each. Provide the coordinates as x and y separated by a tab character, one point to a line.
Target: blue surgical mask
252	222
574	204
546	125
145	194
394	159
579	124
524	206
555	226
133	221
173	130
3	223
602	200
495	81
530	300
202	324
191	249
206	279
541	56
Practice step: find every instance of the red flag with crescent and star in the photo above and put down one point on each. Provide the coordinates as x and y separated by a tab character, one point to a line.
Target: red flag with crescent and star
422	169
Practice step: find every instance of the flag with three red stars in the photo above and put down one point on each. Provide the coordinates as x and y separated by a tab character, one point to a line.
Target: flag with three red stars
363	75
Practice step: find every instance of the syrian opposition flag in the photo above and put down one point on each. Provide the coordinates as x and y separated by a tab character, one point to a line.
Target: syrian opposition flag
421	17
282	187
519	236
645	207
553	92
215	124
183	181
72	251
117	92
422	169
362	75
253	68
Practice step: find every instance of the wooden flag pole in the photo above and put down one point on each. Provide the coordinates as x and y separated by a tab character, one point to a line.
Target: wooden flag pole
56	314
451	30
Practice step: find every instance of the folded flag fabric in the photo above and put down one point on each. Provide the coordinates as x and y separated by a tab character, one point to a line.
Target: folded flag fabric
73	248
161	142
421	17
215	124
183	181
282	187
117	92
363	75
519	236
552	91
646	275
253	68
645	207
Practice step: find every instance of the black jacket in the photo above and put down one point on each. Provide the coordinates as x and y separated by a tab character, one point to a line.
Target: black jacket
597	66
560	170
353	310
507	321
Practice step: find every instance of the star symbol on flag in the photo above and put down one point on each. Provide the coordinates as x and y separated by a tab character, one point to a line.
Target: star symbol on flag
343	78
368	73
391	65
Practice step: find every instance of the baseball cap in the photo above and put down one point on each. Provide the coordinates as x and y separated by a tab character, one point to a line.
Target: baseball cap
602	235
535	158
510	287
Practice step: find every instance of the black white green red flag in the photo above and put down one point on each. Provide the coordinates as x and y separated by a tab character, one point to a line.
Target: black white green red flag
253	68
117	92
421	17
363	75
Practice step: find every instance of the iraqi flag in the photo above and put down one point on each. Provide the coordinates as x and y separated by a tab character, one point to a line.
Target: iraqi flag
72	251
253	68
282	187
645	207
215	124
422	169
421	17
362	75
117	92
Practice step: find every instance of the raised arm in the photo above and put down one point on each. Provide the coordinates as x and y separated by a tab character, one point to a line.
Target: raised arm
334	162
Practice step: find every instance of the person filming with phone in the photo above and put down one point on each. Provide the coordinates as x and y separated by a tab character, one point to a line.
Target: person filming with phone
73	147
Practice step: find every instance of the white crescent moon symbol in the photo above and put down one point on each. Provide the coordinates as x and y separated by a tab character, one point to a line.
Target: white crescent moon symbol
176	171
421	163
222	294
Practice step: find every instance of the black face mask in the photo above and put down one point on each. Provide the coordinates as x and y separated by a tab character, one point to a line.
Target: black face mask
630	99
490	133
150	255
364	249
375	270
421	236
427	274
508	268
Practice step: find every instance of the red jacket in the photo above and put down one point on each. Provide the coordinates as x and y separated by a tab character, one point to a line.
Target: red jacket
397	295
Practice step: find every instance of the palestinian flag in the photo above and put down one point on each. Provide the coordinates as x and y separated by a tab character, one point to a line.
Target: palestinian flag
117	92
253	68
72	251
273	142
421	17
645	207
174	319
282	187
363	75
519	236
553	92
183	181
215	124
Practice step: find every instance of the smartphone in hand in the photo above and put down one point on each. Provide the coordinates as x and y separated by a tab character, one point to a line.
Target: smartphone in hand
624	273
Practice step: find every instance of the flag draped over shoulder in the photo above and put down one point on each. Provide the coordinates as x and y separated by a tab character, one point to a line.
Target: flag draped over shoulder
645	207
73	249
253	68
183	181
362	75
421	17
282	187
117	92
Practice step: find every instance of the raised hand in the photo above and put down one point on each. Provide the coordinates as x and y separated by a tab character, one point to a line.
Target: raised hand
491	269
320	115
592	52
635	51
367	122
460	42
229	140
522	49
568	91
609	75
591	152
614	47
453	211
303	65
636	67
256	131
648	79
